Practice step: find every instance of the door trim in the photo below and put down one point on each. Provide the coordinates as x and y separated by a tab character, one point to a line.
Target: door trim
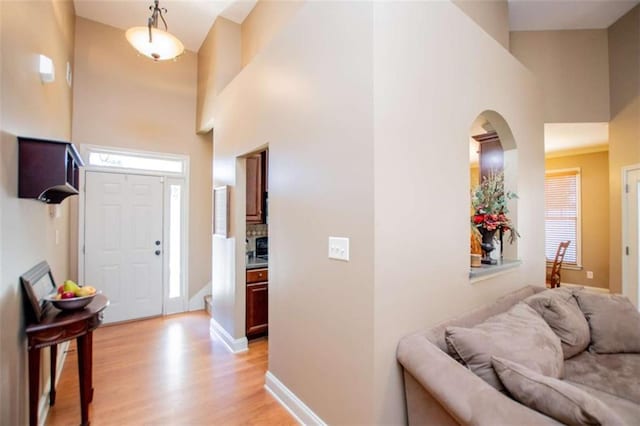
168	306
626	171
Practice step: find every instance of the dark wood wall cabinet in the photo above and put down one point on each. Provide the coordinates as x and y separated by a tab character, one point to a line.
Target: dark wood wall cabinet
491	154
257	320
256	188
49	170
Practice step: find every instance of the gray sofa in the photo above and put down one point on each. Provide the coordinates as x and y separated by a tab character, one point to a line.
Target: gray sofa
442	391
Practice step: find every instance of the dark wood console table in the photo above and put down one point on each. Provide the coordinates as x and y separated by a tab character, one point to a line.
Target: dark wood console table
56	327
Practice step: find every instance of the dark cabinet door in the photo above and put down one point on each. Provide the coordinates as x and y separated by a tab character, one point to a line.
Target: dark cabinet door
255	189
491	154
257	309
266	170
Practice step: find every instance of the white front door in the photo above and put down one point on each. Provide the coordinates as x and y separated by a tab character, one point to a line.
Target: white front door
631	237
123	242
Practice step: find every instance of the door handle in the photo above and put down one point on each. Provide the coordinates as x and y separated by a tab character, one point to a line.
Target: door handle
158	252
157	242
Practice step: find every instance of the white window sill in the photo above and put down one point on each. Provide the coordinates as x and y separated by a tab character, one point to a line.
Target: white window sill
486	272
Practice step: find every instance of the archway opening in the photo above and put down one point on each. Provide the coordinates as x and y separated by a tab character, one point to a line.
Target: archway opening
493	188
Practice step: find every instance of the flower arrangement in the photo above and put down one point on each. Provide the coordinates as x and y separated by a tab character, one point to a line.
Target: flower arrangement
489	203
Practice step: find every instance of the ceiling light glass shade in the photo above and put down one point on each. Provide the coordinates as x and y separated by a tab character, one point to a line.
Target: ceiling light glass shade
164	46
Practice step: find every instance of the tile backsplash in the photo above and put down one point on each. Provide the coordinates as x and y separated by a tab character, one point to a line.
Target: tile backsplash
257	230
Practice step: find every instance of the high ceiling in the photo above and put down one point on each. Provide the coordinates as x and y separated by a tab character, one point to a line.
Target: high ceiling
559	139
563	137
189	20
540	15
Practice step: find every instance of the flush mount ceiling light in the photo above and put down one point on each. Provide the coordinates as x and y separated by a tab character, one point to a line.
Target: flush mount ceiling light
152	42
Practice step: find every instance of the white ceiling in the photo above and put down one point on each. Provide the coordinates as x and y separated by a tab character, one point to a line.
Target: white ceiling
540	15
189	20
574	136
560	138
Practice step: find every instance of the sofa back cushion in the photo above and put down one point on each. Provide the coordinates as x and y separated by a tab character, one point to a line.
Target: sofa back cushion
436	334
613	321
559	308
519	334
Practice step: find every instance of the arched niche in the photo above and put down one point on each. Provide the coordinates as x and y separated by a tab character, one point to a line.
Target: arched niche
488	131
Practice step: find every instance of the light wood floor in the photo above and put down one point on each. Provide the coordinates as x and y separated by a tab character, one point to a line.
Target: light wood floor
169	371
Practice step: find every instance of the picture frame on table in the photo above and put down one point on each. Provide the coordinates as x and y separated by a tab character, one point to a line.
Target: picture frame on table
37	283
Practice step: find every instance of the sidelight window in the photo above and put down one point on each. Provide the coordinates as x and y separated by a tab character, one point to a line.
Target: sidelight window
175	240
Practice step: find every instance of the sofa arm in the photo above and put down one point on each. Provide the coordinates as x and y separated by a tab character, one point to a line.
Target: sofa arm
465	396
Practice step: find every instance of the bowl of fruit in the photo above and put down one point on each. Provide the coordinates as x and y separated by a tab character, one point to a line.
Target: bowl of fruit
70	296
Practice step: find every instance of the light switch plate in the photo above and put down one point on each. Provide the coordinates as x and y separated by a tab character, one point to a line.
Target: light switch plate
69	75
339	248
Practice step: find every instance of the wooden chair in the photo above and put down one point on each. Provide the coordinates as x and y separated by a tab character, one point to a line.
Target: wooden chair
553	278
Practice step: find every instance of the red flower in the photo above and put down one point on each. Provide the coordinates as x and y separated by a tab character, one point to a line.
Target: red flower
478	219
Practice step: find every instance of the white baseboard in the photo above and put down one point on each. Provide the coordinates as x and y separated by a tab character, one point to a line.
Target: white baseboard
234	345
196	303
290	401
43	402
588	288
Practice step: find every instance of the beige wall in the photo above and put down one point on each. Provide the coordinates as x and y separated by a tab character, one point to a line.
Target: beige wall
265	21
229	47
219	61
124	100
421	199
313	96
308	94
29	108
491	15
594	184
572	69
474	176
624	128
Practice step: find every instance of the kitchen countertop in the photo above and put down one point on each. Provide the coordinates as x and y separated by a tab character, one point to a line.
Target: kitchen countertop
256	263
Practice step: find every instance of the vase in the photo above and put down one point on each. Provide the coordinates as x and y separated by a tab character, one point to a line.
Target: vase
487	246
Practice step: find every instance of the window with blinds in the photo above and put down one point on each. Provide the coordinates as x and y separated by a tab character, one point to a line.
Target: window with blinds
562	213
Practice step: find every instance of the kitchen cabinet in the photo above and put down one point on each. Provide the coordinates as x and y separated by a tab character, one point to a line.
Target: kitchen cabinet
257	303
255	189
491	154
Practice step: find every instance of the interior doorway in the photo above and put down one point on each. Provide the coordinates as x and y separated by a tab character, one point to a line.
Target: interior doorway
631	234
133	231
257	245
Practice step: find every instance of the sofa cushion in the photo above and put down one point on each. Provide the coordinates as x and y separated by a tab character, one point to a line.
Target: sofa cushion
613	321
436	334
556	398
616	374
628	411
519	334
560	310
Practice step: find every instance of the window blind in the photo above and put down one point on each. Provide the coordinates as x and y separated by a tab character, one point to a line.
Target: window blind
561	213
